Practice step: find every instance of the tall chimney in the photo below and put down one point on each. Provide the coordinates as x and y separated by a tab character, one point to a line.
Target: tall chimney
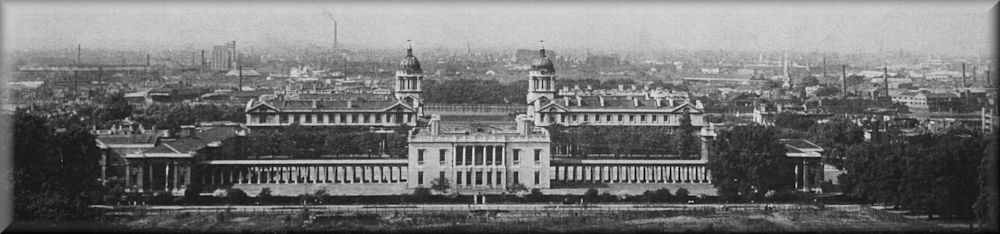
202	67
147	60
843	80
885	78
963	75
335	34
824	68
239	66
79	49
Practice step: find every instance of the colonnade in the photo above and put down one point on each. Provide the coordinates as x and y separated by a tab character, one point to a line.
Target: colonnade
632	174
303	174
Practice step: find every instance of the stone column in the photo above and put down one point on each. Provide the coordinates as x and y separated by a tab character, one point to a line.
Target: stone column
176	177
805	175
141	178
798	167
128	175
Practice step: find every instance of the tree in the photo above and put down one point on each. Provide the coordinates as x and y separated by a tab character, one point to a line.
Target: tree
591	195
517	188
682	194
441	185
835	136
54	171
827	91
421	195
236	196
749	161
686	140
986	204
535	195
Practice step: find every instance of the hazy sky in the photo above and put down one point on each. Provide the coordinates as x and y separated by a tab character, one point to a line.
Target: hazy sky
953	27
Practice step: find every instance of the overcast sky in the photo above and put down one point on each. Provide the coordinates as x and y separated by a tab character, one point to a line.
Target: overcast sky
952	27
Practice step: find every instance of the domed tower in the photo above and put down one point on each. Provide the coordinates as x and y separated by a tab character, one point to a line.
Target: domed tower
541	78
408	79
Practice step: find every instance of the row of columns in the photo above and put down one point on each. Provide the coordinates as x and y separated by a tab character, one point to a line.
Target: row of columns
297	174
407	83
479	155
480	178
541	83
355	118
142	177
632	174
662	119
804	179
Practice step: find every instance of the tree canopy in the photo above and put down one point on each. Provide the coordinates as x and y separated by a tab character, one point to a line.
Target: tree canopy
749	161
55	169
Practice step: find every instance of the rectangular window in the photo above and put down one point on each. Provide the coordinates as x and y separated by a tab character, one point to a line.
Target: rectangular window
538	155
631	118
441	157
479	178
262	119
378	118
284	119
441	175
354	118
420	178
537	177
517	155
586	118
458	178
365	118
608	118
309	119
420	156
620	118
489	177
642	118
459	159
517	178
343	118
654	118
499	177
574	118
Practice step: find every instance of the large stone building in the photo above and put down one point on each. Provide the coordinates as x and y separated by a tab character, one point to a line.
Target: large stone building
486	161
547	108
404	109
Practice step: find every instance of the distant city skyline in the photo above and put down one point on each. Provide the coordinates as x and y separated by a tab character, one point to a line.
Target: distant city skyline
953	27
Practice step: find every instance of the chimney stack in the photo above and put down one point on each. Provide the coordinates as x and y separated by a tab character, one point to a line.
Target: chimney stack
576	87
963	75
633	88
523	122
843	81
350	104
589	87
147	60
621	87
189	131
885	78
435	124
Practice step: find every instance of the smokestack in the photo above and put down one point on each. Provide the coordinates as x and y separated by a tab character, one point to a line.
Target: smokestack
824	68
79	49
202	67
885	78
239	66
843	80
963	75
147	60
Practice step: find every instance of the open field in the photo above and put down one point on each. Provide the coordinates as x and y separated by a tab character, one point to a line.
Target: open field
520	218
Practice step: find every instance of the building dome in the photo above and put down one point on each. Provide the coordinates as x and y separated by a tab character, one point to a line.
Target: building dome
543	64
410	64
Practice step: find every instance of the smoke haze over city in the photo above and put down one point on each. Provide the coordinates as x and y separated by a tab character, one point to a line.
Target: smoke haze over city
960	28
